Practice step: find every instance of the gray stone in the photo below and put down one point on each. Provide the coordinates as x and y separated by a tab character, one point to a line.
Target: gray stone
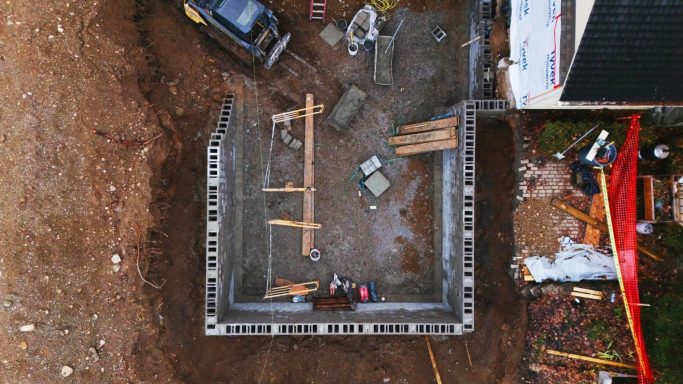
536	291
377	183
287	139
67	371
551	289
94	356
331	35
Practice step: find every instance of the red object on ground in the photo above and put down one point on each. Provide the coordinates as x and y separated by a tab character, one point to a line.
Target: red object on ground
622	204
363	293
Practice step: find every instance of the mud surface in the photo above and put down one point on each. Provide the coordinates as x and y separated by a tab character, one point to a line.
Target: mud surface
71	199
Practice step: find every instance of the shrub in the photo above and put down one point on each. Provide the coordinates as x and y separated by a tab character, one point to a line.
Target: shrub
558	135
663	328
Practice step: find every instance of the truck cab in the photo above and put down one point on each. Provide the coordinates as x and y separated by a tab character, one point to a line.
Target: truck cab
248	22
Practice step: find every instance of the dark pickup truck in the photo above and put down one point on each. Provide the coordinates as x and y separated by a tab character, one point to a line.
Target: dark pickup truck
248	22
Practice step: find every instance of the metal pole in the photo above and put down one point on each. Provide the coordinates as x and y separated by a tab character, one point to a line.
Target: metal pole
394	36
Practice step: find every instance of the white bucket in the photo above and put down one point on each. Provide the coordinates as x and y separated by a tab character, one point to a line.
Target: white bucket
353	49
644	228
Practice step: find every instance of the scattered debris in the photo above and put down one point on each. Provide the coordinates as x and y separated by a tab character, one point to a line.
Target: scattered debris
425	137
67	371
27	328
23	345
116	258
129	143
94	355
7	303
438	33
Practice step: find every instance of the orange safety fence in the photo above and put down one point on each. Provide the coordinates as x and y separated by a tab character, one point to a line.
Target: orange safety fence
620	207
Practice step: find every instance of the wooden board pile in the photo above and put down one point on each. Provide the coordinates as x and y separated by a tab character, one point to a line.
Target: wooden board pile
428	136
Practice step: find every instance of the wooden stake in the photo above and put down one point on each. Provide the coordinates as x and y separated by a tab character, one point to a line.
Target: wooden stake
288	189
589	359
469	358
290	223
431	357
586	290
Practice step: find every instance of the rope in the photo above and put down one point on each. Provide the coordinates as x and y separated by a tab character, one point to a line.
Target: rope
384	6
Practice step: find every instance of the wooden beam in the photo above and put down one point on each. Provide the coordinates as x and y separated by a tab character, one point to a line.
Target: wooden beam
414	149
589	359
428	125
287	189
297	224
597	211
424	137
577	213
586	290
308	237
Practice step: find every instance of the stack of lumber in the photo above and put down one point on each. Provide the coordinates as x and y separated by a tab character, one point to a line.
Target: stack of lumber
428	136
337	303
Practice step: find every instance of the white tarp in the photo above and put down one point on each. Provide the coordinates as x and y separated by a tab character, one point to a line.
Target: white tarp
534	47
575	262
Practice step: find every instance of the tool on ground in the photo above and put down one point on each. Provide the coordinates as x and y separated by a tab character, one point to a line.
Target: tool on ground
292	290
391	42
600	154
317	10
425	137
470	41
297	224
560	156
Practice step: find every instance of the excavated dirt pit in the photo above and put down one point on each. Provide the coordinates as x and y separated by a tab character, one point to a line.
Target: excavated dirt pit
186	74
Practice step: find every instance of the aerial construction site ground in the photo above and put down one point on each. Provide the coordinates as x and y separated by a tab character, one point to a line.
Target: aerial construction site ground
106	111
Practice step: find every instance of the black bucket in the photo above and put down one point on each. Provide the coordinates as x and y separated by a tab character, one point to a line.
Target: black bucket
341	24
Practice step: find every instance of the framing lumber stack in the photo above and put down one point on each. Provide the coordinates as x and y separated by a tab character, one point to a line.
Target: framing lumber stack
428	136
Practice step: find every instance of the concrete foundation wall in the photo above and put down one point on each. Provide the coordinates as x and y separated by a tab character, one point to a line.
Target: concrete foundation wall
454	315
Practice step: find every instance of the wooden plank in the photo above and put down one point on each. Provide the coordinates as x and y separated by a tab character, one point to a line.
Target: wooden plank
589	359
592	234
414	149
297	224
424	137
428	125
431	357
586	290
308	237
648	197
586	295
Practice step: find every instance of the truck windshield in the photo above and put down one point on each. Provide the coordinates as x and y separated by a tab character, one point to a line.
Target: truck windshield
241	13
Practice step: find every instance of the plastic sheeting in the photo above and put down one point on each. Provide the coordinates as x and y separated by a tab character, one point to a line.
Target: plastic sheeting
534	47
575	263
